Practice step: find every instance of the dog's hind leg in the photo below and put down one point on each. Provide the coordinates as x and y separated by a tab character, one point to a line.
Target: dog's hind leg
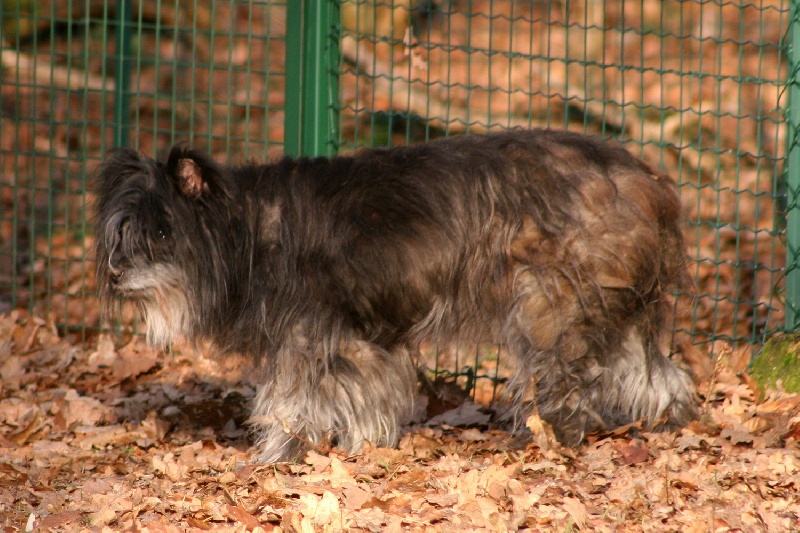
588	368
641	383
362	393
562	384
556	366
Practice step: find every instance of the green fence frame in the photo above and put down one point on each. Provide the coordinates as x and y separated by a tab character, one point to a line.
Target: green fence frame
312	85
792	300
122	73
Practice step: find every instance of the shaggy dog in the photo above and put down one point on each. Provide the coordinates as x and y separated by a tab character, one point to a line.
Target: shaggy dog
330	272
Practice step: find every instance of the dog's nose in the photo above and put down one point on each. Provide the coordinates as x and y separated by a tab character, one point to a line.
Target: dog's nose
115	275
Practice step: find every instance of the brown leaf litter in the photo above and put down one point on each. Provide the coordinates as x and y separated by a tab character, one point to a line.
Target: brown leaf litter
107	438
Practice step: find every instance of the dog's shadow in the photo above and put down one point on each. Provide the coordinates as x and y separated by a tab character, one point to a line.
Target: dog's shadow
196	396
191	395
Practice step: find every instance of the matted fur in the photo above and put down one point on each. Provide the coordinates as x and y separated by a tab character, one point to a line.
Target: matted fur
329	273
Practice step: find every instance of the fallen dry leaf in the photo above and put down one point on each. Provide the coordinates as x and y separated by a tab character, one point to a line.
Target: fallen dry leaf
239	514
133	360
632	451
466	414
542	433
577	511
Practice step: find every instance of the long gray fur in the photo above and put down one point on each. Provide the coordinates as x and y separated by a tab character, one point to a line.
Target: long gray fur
330	272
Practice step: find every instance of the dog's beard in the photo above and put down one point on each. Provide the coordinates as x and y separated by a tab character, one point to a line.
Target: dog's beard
158	292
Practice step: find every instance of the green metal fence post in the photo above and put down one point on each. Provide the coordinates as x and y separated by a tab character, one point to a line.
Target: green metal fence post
793	175
312	85
122	74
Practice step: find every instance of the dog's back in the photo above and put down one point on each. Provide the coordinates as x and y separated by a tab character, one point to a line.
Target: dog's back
435	239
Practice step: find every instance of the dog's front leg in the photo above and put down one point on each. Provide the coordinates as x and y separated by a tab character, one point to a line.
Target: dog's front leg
360	393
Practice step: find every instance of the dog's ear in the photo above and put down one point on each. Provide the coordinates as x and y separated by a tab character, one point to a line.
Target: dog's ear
190	170
190	178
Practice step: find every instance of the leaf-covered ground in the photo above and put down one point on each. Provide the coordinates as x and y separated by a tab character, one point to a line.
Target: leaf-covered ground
119	437
106	438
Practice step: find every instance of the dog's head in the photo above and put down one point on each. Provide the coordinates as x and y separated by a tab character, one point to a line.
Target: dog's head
162	232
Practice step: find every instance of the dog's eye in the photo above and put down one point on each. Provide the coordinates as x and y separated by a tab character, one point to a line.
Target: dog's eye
160	232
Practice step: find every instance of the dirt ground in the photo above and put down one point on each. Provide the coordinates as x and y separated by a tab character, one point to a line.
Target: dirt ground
107	438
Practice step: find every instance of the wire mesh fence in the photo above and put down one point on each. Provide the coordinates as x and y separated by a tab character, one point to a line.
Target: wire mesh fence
78	78
699	88
695	87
